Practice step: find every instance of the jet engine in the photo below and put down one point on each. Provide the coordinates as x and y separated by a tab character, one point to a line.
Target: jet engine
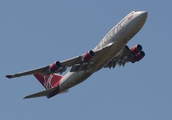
87	56
137	53
136	49
55	66
139	56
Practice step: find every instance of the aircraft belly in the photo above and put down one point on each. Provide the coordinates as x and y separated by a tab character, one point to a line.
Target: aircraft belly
73	78
108	56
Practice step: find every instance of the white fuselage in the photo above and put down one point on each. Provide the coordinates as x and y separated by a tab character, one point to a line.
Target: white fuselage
114	41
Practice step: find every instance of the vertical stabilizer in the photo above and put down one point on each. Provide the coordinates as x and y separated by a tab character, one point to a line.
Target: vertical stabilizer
49	81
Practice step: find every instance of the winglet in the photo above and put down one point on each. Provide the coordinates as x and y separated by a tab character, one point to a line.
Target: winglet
9	76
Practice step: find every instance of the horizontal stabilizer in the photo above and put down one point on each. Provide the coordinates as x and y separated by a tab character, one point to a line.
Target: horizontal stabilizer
41	94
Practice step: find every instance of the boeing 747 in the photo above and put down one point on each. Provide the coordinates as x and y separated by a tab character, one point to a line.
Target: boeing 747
111	51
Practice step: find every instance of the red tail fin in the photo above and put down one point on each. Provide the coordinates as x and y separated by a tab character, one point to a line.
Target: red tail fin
49	81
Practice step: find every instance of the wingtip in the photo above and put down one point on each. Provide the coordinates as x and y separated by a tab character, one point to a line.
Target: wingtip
26	97
9	76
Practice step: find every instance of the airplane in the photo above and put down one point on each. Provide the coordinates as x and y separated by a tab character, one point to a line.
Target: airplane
111	51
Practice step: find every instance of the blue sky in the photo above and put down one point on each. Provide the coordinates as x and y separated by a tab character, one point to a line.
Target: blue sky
37	33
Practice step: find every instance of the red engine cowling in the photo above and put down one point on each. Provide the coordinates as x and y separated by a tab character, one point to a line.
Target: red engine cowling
136	49
87	56
55	66
139	56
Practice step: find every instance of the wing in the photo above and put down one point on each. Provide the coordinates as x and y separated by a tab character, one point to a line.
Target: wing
126	55
78	60
34	71
78	63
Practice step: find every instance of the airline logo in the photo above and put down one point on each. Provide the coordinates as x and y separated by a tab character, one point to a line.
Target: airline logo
47	81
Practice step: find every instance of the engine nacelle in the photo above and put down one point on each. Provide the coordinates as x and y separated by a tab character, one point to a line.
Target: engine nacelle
127	48
87	56
136	49
139	56
55	66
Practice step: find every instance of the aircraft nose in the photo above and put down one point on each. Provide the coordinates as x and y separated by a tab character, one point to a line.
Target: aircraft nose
143	14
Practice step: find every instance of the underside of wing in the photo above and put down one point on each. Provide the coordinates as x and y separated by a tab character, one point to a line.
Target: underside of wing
126	55
85	61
